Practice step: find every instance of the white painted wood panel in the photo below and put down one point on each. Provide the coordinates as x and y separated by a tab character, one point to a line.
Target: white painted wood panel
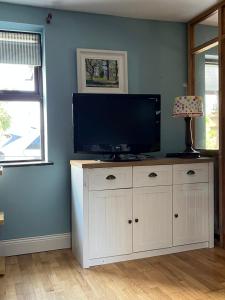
190	209
109	231
211	205
152	175
77	195
110	178
190	173
152	207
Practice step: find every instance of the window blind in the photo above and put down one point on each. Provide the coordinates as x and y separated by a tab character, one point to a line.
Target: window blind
20	48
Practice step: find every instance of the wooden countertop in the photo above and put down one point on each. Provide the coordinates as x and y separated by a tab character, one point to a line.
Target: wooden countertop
90	164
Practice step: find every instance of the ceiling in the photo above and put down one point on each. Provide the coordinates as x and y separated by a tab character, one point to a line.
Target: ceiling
168	10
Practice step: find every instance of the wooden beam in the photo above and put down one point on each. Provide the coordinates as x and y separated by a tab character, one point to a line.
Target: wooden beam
221	125
207	13
206	46
192	51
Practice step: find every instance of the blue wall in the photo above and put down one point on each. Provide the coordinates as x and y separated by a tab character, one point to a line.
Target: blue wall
36	200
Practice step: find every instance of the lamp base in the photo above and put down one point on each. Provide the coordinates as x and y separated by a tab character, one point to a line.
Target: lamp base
194	154
189	152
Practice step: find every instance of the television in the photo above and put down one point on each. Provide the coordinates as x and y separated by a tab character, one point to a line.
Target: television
116	123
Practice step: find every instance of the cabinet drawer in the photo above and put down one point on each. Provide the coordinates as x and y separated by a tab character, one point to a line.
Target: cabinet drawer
152	175
110	178
190	173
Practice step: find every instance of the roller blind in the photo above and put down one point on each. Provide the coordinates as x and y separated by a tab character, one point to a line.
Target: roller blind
20	48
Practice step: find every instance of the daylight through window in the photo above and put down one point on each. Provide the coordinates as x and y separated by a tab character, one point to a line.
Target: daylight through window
21	109
212	103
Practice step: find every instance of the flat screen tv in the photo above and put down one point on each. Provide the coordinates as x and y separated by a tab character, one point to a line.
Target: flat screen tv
116	123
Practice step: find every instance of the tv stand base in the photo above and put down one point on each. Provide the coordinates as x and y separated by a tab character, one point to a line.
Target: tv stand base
116	157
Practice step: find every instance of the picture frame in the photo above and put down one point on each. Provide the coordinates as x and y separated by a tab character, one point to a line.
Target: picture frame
102	71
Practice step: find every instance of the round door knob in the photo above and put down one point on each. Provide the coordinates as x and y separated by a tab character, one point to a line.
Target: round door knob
129	221
176	215
136	220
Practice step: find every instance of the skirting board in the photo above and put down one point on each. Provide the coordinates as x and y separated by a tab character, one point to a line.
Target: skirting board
35	244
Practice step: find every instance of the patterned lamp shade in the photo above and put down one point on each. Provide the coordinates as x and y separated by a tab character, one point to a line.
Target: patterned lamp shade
188	106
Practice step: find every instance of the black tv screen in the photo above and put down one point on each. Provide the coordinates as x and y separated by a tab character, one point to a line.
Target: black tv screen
116	123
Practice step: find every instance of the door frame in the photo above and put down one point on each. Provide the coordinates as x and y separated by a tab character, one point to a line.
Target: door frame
192	51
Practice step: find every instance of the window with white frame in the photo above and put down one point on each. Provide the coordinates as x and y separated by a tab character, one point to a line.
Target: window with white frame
21	107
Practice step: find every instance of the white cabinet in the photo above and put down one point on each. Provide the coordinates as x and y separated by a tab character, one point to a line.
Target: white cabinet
152	214
123	211
110	223
191	213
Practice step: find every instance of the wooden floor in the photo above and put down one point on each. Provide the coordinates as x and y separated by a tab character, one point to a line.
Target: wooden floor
56	275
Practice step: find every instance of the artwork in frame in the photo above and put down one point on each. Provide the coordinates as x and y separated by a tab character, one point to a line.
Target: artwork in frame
102	71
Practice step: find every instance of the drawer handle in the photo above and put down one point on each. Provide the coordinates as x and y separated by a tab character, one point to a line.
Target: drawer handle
191	172
110	177
152	175
176	215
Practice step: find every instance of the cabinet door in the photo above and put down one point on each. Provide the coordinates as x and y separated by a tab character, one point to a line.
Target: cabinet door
152	214
110	223
190	209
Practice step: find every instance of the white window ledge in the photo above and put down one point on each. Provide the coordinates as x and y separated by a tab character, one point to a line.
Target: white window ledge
25	163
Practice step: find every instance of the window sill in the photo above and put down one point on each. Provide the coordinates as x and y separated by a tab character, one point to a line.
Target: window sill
25	164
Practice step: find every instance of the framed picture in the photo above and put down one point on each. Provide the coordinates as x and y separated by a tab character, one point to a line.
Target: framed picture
102	71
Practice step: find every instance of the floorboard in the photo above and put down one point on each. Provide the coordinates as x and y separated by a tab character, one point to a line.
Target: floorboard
198	275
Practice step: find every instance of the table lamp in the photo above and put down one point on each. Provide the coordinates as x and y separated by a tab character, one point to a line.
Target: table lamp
188	107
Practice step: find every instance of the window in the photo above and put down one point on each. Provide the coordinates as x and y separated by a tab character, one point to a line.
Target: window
211	103
21	109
